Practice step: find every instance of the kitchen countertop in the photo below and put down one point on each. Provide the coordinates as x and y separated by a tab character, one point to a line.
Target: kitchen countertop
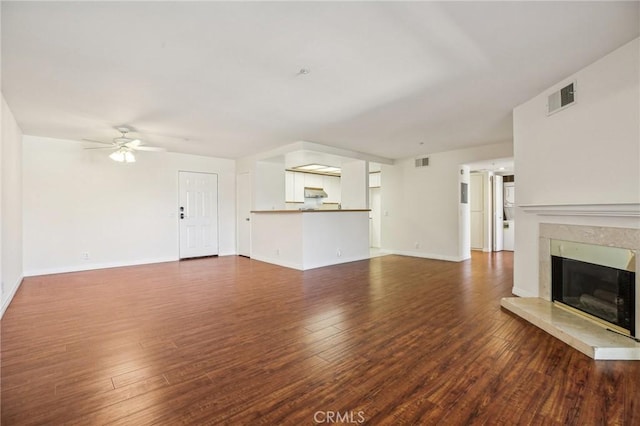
311	211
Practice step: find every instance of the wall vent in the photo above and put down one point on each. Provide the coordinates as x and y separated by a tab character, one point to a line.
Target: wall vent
422	162
561	99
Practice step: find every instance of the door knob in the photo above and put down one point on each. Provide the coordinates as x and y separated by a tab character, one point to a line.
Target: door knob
247	219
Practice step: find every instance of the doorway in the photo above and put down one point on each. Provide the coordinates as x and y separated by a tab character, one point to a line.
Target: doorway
374	217
243	195
198	214
490	224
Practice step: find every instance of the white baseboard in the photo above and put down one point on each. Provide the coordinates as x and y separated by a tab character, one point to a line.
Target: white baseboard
279	262
92	266
341	260
522	293
12	293
427	255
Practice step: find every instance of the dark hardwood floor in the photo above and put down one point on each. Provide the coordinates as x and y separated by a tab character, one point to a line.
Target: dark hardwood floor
392	340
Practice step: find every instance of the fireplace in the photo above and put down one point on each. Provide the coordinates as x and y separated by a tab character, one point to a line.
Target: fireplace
607	246
595	281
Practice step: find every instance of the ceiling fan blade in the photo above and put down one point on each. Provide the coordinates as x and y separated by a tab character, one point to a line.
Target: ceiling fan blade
94	141
101	147
134	143
149	148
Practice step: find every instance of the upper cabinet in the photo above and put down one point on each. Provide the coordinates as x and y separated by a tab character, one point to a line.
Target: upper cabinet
331	185
289	186
312	180
295	182
298	187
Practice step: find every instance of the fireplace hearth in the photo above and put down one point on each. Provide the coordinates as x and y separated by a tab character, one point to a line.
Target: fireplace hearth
596	302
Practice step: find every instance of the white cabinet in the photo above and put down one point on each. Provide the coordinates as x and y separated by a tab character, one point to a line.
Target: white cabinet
331	185
298	187
295	182
289	186
312	181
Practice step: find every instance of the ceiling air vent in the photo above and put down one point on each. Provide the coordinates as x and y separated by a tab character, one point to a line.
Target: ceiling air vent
422	162
561	99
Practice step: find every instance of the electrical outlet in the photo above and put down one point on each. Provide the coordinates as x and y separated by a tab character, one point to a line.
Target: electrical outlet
85	255
277	252
417	245
339	253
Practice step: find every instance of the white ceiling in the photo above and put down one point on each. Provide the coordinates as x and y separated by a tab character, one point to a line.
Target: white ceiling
221	78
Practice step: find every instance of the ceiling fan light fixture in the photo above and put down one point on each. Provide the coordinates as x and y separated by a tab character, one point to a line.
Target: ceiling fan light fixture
129	157
117	156
123	155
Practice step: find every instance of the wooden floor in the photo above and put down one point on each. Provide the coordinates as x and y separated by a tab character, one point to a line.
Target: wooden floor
391	340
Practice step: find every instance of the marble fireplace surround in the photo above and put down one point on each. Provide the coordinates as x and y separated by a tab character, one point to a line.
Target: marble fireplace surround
580	333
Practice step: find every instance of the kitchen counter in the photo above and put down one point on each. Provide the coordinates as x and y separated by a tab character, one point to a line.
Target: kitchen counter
311	211
298	240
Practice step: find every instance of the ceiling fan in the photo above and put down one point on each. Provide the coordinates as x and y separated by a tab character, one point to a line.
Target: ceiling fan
124	146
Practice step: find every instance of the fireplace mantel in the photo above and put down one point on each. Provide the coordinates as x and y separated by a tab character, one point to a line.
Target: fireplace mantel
606	210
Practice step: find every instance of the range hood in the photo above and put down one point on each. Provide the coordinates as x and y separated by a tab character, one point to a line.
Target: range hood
314	193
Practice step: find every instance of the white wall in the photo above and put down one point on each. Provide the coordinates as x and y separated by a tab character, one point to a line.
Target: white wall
269	185
354	185
588	153
421	206
331	238
11	268
78	201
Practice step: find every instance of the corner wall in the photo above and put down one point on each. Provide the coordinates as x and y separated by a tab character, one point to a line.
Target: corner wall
587	154
11	261
421	206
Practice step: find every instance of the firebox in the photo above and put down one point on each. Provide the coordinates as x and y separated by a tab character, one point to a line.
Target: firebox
595	281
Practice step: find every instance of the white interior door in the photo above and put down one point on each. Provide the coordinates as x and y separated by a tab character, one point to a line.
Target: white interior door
244	214
374	215
198	214
476	197
498	215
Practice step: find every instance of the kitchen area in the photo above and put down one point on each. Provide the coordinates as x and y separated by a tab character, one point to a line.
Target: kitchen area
309	209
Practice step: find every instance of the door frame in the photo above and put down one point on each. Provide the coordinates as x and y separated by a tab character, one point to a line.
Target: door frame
240	216
217	203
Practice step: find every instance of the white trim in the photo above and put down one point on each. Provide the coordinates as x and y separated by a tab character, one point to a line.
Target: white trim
92	266
10	296
278	262
609	210
428	255
302	267
342	260
521	292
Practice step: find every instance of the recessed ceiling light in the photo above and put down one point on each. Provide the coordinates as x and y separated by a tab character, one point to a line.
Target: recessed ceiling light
319	168
304	71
